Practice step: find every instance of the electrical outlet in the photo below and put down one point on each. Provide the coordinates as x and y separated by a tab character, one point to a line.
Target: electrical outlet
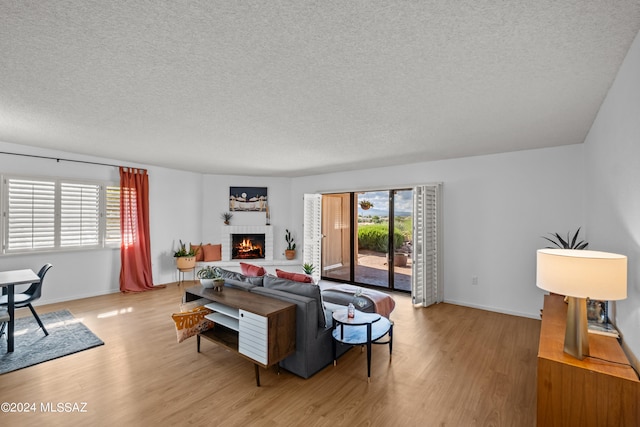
474	280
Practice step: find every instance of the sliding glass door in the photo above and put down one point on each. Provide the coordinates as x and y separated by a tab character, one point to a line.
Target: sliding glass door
336	233
372	239
402	223
367	238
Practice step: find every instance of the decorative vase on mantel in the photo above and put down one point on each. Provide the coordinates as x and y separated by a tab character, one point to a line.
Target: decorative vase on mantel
226	217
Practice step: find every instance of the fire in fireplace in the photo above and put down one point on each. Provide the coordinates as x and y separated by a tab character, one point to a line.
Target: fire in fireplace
247	246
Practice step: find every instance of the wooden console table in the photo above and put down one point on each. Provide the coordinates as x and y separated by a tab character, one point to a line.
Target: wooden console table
256	327
588	392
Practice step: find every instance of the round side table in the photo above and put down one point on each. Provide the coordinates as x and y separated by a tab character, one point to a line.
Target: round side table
362	329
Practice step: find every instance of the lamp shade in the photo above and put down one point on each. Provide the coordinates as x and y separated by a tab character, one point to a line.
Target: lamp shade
582	273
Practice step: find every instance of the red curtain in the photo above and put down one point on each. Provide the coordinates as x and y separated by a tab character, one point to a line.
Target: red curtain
135	247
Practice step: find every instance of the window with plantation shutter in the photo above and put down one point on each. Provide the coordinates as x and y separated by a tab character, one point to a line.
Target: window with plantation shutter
79	214
112	215
30	214
59	214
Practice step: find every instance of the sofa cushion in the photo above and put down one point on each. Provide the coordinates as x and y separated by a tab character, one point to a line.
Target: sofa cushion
239	284
212	252
296	277
252	270
305	289
233	275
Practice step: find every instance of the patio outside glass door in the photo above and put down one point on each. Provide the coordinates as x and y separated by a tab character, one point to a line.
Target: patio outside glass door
403	239
371	249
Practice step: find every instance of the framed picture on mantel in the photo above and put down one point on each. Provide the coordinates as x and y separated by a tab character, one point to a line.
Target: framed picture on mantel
248	199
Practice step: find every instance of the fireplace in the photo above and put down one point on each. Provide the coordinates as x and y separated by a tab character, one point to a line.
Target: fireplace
247	246
228	244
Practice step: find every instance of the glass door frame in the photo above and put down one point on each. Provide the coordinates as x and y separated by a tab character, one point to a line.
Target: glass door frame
353	221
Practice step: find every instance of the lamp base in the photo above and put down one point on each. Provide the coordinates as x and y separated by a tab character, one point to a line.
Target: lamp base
576	338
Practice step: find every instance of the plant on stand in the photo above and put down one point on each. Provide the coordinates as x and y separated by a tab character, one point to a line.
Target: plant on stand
290	252
185	260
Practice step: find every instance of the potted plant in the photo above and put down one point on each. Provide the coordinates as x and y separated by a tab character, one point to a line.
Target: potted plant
226	217
570	243
185	260
308	268
365	204
290	252
210	278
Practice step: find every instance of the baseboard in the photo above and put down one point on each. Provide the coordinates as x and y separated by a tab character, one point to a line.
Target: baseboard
75	297
494	309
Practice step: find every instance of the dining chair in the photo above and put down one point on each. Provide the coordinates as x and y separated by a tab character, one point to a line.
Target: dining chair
24	299
4	318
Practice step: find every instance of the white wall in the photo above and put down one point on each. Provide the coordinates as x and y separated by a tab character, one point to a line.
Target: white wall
495	209
612	151
175	213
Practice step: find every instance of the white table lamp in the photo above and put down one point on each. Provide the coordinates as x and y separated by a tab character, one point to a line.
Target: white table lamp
581	274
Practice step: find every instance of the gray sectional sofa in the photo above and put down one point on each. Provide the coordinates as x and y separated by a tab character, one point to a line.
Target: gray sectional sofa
314	349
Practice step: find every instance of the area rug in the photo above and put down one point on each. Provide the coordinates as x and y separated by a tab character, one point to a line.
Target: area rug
67	335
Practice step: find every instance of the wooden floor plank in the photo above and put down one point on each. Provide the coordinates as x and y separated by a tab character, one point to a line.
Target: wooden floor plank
451	366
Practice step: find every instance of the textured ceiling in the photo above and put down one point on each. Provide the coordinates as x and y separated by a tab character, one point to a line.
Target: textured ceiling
292	87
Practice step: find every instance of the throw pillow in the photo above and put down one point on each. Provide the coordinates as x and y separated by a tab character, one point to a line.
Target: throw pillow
199	252
191	321
252	270
296	277
212	252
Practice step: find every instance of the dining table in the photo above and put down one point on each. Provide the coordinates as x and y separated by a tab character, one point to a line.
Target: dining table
9	279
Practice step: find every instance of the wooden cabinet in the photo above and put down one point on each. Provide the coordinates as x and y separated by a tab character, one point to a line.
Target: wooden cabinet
601	390
256	327
253	336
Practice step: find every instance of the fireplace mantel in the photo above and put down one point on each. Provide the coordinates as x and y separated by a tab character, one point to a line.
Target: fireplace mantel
228	230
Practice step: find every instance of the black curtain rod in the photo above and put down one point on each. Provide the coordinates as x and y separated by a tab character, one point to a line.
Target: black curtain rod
59	159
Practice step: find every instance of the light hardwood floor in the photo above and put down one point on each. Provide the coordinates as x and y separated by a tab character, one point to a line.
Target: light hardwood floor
451	366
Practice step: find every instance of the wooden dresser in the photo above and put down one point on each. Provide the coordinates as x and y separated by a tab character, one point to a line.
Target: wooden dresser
588	392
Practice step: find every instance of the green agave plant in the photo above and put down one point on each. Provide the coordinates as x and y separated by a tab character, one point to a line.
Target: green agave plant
308	268
569	243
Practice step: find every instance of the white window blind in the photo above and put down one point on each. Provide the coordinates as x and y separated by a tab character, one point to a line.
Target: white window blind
79	214
30	217
112	215
52	214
